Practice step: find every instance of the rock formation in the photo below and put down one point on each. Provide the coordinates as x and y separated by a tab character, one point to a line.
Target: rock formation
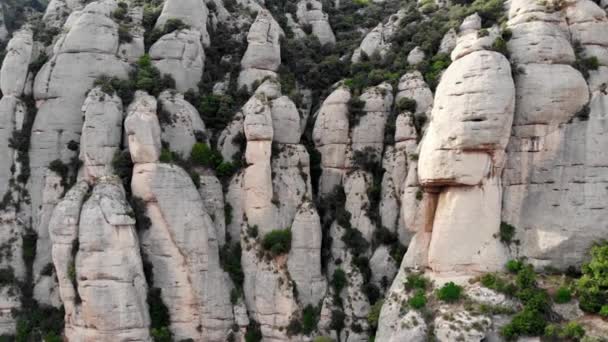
311	13
263	55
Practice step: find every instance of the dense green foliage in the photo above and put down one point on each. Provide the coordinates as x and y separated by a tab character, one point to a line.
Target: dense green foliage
406	104
254	333
338	281
571	331
230	260
144	76
536	312
418	300
592	287
507	234
374	314
562	295
277	242
514	266
416	281
449	292
159	316
305	324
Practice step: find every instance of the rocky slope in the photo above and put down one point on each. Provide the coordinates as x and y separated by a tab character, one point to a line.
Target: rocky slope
220	170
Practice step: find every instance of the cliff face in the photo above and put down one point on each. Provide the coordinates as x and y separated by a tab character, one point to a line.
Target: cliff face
302	170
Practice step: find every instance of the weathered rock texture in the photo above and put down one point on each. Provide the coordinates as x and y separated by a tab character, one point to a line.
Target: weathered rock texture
263	55
552	179
86	50
181	243
310	12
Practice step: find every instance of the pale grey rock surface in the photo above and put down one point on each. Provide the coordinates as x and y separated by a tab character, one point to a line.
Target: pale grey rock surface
142	129
181	55
101	133
87	49
108	270
263	55
310	12
331	138
378	40
415	56
15	66
180	123
193	13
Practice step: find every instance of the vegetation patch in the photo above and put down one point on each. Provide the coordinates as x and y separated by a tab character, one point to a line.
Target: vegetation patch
592	287
449	292
277	242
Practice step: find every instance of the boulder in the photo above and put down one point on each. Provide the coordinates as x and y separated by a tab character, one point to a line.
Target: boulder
191	12
16	63
415	56
310	12
101	133
263	55
180	55
143	129
108	270
304	260
471	117
180	123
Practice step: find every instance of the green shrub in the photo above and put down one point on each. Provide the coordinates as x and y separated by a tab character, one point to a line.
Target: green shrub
416	281
159	316
374	314
162	334
526	323
59	168
592	287
507	233
498	284
514	266
228	213
225	169
526	278
142	221
570	331
366	159
124	34
418	300
254	333
123	167
449	292
433	70
294	327
252	231
204	155
562	295
121	11
323	339
338	280
337	320
407	104
355	111
310	318
584	64
500	45
277	241
230	260
166	156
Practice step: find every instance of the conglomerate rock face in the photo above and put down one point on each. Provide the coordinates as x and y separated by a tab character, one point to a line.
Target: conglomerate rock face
189	170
